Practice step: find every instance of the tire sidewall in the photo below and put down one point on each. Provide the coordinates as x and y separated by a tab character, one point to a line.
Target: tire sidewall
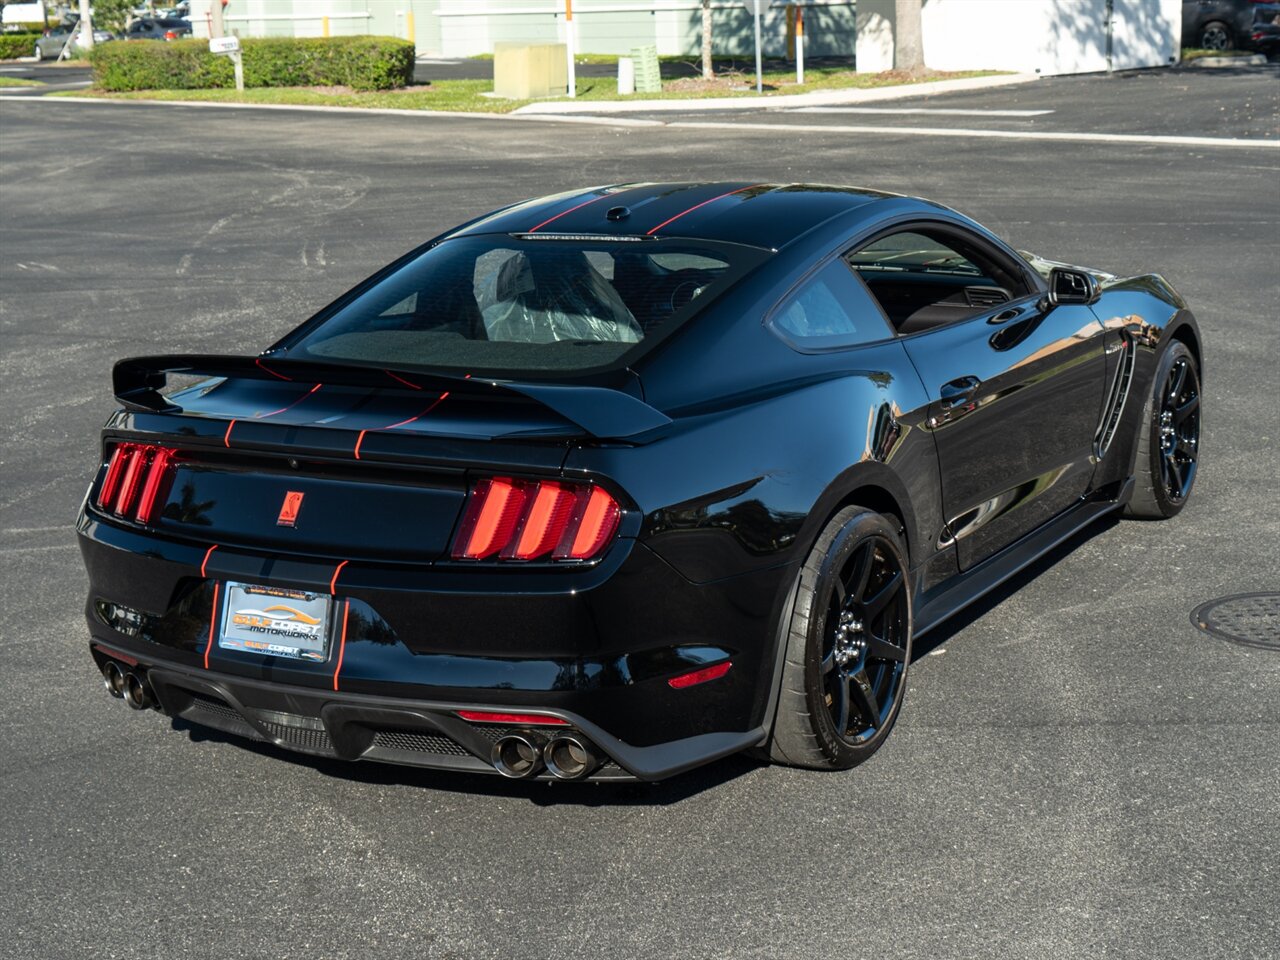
849	535
1176	350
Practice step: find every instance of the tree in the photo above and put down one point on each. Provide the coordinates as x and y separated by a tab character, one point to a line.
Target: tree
113	15
908	40
708	71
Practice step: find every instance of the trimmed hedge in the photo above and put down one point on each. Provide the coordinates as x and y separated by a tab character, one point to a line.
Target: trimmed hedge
362	63
15	45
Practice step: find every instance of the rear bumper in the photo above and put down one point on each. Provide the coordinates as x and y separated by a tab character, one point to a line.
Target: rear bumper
594	647
418	733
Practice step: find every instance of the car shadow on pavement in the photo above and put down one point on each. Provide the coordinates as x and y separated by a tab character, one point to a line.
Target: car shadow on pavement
981	607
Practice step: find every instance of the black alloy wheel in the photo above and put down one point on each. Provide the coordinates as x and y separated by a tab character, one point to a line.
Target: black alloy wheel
1216	36
1179	429
865	649
1168	454
848	645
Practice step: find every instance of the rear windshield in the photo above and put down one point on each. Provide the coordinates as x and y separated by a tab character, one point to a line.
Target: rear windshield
502	304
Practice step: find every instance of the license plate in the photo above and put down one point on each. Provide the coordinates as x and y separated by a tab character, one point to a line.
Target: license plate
275	622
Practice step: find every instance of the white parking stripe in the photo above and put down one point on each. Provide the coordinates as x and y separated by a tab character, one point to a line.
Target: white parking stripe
937	111
971	134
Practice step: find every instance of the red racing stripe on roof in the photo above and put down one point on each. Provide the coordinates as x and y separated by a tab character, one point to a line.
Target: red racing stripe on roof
696	206
569	211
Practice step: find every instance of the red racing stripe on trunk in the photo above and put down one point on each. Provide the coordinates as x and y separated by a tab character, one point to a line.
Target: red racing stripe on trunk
213	626
342	643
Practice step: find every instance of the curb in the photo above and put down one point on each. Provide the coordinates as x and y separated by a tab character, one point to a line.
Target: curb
314	108
786	101
1253	60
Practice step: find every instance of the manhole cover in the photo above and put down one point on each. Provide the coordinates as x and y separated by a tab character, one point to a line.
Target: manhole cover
1252	619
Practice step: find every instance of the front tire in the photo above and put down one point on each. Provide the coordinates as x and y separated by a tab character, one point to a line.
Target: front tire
38	54
848	646
1168	438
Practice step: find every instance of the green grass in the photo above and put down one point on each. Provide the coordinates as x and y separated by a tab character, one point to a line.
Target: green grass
1195	53
467	95
18	82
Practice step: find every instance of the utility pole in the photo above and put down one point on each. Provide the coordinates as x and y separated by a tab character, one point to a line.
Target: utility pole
216	29
84	36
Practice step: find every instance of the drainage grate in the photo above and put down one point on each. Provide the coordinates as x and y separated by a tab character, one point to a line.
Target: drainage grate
1251	619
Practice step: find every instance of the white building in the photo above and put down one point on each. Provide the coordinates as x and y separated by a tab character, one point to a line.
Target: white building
1029	36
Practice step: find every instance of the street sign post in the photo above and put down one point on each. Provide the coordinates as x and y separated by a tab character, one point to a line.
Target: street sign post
229	47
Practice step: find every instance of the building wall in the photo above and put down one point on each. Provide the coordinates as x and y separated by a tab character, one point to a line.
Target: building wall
1028	36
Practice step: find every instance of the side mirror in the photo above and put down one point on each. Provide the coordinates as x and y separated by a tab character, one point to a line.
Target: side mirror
1072	286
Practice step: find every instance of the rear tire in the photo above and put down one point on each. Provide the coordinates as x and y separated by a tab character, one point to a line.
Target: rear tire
1216	35
1168	438
848	646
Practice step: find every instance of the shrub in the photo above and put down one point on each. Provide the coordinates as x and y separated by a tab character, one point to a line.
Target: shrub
362	63
14	45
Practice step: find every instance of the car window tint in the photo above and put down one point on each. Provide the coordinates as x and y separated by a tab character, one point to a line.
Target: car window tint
830	310
924	279
912	252
500	302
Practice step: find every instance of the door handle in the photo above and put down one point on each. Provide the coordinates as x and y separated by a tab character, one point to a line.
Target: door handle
958	391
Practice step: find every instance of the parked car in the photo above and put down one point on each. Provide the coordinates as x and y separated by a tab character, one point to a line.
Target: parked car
612	483
158	28
1231	24
49	46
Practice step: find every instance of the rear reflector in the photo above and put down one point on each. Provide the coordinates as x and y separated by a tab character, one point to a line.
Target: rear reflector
700	676
525	719
135	482
533	519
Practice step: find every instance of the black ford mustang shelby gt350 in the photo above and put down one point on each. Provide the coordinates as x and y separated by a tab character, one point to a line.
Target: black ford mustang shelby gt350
613	483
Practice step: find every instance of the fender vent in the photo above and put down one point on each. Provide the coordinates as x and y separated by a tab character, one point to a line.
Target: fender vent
1117	396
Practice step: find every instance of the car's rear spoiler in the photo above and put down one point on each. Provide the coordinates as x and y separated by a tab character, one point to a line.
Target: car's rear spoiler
601	412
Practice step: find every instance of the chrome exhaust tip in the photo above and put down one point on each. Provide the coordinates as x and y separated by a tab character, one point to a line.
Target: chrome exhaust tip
570	757
136	693
113	679
517	756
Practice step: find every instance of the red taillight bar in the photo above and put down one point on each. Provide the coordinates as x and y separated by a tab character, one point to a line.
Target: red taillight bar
135	478
535	519
526	719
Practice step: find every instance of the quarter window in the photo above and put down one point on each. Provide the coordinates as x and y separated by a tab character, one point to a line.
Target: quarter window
830	310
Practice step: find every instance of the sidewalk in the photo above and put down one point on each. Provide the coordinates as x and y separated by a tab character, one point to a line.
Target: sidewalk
818	98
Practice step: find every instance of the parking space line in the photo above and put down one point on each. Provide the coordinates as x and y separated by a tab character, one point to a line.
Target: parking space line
930	111
975	134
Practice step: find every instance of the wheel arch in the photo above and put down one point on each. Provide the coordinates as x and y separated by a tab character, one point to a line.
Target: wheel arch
1184	331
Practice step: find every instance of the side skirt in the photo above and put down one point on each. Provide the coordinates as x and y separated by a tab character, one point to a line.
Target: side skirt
952	596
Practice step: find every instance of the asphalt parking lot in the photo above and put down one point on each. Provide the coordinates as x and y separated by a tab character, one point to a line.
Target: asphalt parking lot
1078	771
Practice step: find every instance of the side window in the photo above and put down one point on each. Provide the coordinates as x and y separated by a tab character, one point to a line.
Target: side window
924	279
829	311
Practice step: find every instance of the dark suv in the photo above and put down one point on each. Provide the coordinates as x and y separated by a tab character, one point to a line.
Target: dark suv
1227	24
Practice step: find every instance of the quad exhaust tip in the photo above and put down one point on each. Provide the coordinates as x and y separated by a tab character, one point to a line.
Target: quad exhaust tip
517	756
570	757
136	693
113	679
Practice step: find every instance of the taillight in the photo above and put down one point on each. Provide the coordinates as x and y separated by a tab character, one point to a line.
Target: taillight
532	519
170	35
135	480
